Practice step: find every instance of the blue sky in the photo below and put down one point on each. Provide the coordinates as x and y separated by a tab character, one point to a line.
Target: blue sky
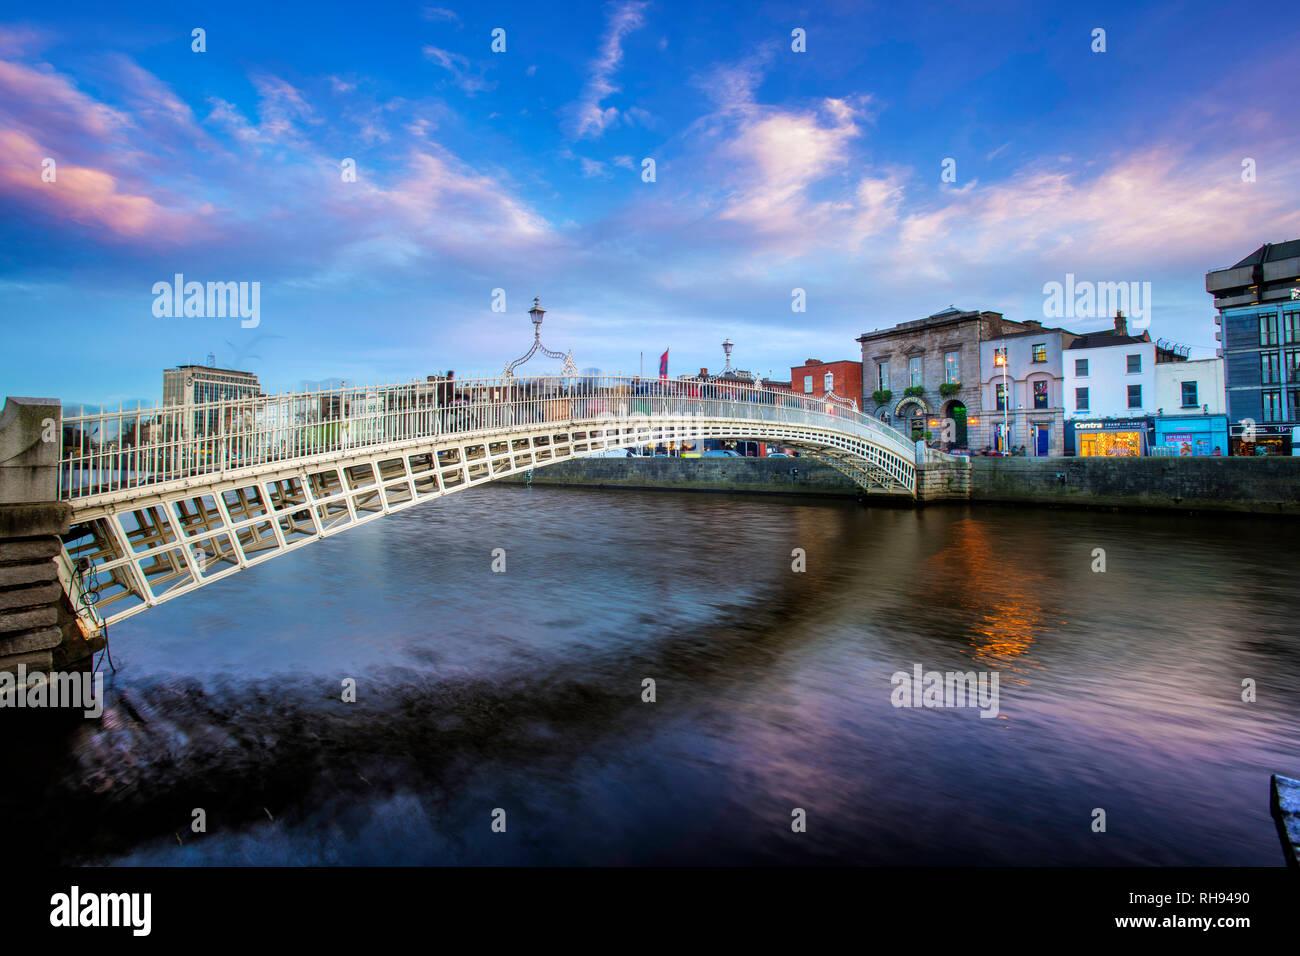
522	170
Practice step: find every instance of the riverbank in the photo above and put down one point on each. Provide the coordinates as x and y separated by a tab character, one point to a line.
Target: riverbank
1237	485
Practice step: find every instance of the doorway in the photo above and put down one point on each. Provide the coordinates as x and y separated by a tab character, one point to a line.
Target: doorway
1042	440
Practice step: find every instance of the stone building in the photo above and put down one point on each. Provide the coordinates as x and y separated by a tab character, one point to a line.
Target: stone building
917	374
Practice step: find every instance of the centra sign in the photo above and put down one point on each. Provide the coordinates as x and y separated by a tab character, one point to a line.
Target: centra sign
1112	425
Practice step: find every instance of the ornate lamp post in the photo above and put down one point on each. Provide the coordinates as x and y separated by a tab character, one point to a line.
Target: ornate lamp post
537	313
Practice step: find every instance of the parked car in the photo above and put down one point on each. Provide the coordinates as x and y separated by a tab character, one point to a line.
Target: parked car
720	453
777	454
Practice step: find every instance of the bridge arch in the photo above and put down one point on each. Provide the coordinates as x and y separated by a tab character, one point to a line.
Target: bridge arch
187	507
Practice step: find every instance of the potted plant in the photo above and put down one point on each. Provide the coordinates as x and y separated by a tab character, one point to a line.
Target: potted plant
914	391
949	389
881	396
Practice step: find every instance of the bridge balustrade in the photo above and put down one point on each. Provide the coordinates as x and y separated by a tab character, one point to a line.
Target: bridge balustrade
110	451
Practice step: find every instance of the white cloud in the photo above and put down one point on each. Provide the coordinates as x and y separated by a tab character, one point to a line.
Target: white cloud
588	117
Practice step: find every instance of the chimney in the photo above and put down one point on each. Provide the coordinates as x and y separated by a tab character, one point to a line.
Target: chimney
1033	324
704	373
1121	323
812	362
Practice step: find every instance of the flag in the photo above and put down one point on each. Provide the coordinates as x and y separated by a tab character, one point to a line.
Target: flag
663	365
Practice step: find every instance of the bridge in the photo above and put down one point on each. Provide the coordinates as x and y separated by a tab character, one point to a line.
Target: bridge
161	501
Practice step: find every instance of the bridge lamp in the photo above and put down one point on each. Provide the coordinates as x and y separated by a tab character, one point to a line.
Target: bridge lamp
536	313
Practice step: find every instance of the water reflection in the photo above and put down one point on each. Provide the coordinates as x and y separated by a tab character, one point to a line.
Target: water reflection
523	690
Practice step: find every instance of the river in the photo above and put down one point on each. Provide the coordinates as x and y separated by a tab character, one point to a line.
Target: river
521	691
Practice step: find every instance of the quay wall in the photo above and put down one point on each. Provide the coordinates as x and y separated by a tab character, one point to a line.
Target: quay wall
1246	485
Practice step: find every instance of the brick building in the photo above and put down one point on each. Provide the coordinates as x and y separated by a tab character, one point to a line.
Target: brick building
815	379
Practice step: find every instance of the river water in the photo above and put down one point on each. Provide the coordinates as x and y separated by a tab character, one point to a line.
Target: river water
522	691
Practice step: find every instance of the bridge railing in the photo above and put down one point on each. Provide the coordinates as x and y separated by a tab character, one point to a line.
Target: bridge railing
105	451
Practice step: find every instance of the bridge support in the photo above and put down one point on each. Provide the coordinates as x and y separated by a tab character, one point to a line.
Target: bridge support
38	627
942	479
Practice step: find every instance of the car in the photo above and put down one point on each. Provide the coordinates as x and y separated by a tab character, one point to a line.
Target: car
777	454
720	453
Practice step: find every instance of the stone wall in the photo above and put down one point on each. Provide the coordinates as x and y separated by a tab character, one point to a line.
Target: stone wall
1256	485
38	626
802	476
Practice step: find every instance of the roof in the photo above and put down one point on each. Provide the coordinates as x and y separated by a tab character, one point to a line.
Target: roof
1271	252
1099	340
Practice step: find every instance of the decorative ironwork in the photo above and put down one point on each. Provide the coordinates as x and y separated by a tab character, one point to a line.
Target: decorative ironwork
842	402
537	313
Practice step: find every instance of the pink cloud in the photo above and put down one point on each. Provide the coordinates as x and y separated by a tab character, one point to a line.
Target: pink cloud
79	193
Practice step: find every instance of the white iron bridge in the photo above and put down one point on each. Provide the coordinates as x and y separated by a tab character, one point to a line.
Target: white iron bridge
166	500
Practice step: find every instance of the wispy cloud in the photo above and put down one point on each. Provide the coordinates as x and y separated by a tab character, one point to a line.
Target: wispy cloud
458	67
588	118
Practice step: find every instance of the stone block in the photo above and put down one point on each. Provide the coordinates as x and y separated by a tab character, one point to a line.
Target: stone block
35	595
37	640
15	574
26	619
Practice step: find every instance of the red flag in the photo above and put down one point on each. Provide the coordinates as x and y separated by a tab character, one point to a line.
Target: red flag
663	365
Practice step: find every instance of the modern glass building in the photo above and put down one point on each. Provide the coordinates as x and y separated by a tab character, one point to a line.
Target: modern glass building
1258	302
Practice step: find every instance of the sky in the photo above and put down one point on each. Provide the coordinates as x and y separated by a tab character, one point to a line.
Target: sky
523	170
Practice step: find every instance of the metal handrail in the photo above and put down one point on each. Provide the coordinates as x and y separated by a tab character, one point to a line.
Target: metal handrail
105	452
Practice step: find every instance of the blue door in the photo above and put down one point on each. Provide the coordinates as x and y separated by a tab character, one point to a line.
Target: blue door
1043	436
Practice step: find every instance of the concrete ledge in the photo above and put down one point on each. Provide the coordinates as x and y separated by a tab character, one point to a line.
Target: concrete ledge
27	619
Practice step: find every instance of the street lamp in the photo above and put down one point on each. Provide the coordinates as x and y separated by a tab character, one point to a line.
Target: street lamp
1000	358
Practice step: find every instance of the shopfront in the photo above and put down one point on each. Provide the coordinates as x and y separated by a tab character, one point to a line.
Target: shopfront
1255	440
1108	437
1192	435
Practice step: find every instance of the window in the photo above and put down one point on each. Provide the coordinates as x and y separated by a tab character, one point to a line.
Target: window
1295	405
1081	368
1270	368
1189	395
952	366
1273	405
1040	353
1040	395
1081	399
999	357
1291	327
1134	364
828	383
1293	365
1268	328
1135	396
882	376
914	370
807	384
1001	392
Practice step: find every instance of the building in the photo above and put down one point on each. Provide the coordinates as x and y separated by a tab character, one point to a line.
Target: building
1191	414
919	374
194	384
1110	393
1258	303
199	384
817	379
1022	391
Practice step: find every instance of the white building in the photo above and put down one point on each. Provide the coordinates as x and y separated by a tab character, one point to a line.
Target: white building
1110	392
1190	388
1191	417
1023	402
